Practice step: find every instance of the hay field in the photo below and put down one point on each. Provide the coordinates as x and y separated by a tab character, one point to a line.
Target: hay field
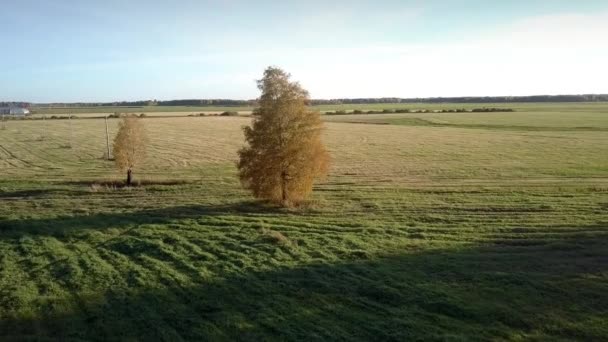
482	229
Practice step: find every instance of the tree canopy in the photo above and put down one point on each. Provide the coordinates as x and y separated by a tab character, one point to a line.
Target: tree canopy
130	145
285	153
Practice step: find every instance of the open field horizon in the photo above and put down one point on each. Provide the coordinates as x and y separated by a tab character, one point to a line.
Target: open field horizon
185	110
489	226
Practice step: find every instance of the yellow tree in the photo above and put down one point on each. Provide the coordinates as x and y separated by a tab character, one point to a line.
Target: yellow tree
130	145
285	153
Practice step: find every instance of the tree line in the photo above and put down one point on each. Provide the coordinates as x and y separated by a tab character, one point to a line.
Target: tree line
469	99
407	110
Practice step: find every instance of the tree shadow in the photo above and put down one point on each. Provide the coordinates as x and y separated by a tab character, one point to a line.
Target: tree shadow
62	226
481	293
136	183
40	193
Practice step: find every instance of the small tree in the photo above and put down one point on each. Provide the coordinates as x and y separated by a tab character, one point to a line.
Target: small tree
130	145
285	153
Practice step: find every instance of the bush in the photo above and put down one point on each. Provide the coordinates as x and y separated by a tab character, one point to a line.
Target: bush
388	111
402	111
338	112
488	110
230	114
142	115
357	111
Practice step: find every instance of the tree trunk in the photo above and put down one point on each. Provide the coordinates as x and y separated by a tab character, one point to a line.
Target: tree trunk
284	186
129	177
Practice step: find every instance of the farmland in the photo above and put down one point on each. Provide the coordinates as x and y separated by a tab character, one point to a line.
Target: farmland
440	226
579	107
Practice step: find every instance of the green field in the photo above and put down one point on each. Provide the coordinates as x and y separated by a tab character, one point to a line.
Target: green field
455	226
593	107
517	121
583	107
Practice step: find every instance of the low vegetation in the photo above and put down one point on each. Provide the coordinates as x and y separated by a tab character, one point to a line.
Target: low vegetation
405	110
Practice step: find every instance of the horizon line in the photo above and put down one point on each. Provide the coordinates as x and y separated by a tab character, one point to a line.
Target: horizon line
321	99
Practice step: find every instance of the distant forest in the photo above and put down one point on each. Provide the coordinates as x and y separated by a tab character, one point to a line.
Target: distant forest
249	103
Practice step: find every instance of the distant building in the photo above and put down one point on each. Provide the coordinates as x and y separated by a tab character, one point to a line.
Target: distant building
14	110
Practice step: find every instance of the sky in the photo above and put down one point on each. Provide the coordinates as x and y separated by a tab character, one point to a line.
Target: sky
118	50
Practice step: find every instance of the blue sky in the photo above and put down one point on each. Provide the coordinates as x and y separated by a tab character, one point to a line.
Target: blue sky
88	50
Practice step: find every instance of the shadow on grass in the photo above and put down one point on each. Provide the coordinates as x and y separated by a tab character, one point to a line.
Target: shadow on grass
485	293
62	226
136	183
38	193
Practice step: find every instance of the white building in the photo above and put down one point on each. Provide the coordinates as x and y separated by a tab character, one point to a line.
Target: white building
13	110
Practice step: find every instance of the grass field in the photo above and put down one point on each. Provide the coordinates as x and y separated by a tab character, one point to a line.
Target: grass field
517	121
489	226
583	107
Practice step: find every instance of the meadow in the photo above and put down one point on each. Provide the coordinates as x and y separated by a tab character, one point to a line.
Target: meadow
437	226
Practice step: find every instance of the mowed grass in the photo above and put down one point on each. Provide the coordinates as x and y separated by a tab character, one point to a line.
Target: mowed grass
419	232
544	117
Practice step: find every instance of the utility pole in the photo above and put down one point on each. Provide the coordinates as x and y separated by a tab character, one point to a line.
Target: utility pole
70	121
107	137
3	122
